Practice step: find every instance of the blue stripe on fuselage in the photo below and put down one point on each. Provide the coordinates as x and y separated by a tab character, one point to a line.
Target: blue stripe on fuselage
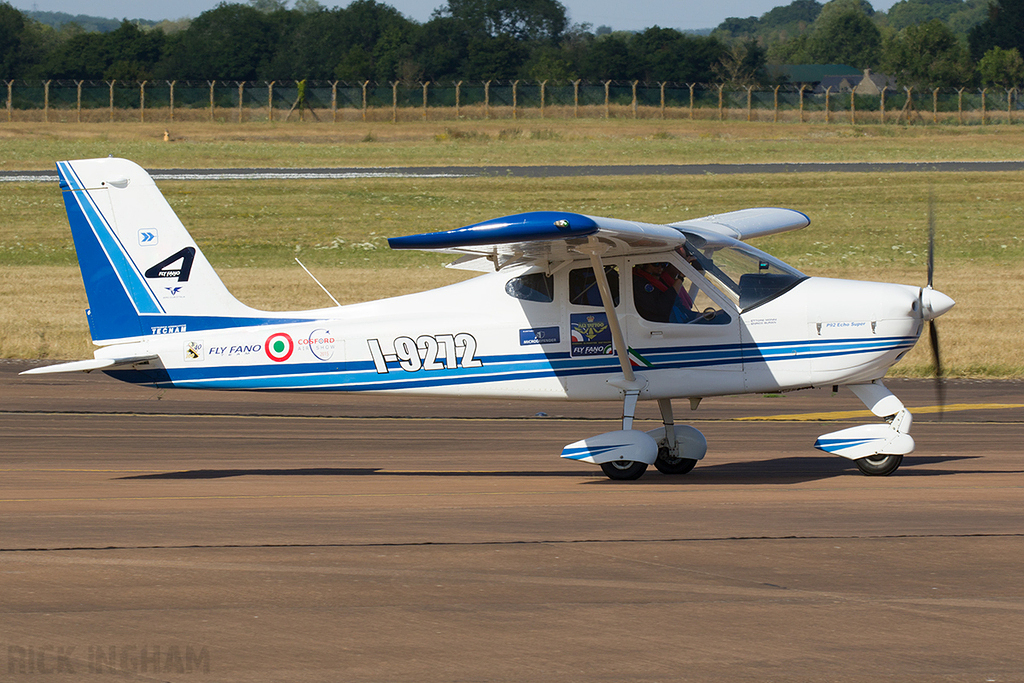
362	375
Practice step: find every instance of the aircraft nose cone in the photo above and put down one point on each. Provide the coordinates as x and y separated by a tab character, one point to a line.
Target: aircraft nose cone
934	303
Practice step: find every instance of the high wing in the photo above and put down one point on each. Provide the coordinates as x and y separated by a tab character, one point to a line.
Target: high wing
746	224
546	237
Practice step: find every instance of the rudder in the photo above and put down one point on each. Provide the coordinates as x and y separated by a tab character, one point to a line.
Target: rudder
143	272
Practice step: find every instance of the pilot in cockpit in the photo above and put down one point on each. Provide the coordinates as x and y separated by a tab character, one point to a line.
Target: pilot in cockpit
659	295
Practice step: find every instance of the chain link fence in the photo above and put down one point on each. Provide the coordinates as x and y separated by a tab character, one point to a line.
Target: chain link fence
61	101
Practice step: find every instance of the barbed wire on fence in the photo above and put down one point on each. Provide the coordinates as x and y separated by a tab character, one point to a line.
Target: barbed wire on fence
278	100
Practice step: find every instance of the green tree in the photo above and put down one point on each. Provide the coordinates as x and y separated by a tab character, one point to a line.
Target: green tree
13	42
844	34
549	63
443	49
779	24
128	54
927	55
525	20
999	67
229	42
342	42
1003	28
609	58
743	64
495	58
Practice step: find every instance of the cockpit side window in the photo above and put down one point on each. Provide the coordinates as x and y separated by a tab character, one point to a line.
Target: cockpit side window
538	287
583	289
747	276
663	294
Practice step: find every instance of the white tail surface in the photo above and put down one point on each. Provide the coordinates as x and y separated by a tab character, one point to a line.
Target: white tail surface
143	272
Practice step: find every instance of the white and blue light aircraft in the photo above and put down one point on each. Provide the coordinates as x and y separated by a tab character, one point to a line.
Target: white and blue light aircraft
569	306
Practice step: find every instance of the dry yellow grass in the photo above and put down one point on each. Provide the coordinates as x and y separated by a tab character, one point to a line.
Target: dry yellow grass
37	145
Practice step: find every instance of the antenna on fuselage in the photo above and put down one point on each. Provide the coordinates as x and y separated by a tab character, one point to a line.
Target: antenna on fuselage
318	282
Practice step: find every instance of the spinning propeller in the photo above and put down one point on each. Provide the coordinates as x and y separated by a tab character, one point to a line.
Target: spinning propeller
933	304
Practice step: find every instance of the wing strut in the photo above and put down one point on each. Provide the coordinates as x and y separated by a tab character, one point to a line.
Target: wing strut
630	386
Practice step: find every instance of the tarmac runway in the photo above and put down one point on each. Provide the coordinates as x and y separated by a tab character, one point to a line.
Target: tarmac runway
178	536
546	171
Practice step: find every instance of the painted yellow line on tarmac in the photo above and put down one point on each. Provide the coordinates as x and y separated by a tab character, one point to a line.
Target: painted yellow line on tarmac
843	414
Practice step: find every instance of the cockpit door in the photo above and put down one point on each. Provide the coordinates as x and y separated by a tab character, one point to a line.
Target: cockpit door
675	319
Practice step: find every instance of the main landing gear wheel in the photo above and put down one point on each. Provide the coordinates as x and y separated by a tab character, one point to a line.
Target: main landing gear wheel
624	470
879	465
666	464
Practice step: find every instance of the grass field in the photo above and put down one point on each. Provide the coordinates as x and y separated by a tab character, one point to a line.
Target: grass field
29	146
866	226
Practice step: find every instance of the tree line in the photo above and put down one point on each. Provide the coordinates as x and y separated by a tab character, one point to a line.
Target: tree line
923	43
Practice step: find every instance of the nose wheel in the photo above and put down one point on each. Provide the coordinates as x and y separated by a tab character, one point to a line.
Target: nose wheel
879	465
624	470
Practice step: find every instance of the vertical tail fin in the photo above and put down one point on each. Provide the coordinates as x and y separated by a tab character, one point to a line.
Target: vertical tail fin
143	272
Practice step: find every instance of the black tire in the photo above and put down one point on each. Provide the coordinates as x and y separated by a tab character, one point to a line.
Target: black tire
624	470
666	464
879	465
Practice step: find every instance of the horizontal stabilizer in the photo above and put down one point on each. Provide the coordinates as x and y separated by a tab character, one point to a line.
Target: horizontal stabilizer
87	365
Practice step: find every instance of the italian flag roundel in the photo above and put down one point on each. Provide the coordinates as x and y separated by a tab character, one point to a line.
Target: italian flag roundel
279	347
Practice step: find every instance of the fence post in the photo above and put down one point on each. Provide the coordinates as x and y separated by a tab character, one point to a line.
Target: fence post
365	83
394	102
1009	103
935	105
853	107
10	84
607	113
908	107
777	103
425	84
241	92
487	100
692	86
543	85
576	99
79	100
983	92
721	102
828	109
663	99
515	100
960	106
171	83
46	101
881	106
802	87
270	101
142	101
212	83
750	103
633	104
111	84
334	102
458	96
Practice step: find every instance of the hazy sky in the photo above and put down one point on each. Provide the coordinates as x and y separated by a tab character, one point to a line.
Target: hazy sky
682	14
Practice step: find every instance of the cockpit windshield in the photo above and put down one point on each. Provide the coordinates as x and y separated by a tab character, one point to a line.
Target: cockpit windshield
748	276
